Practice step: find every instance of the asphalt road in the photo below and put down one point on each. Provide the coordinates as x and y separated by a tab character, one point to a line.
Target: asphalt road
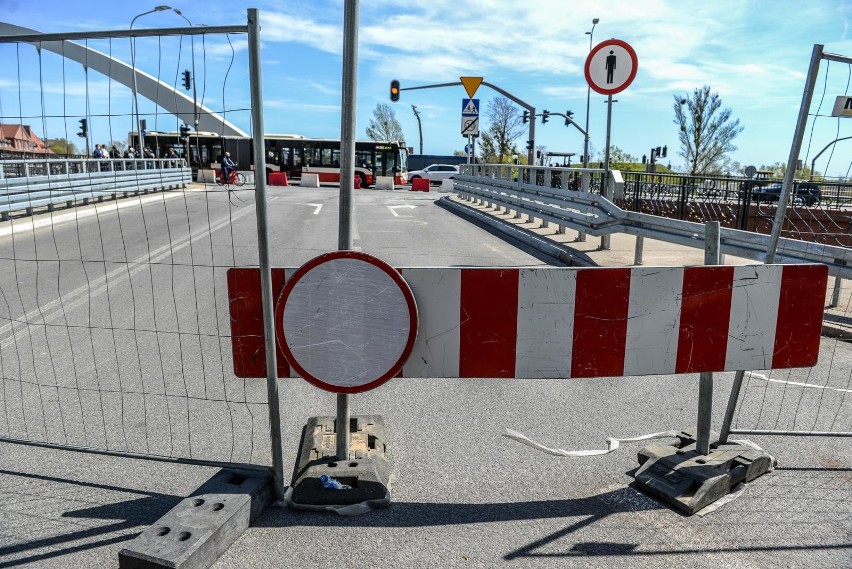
463	495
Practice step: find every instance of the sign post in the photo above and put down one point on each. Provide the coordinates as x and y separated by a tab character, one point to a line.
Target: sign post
470	119
346	323
610	68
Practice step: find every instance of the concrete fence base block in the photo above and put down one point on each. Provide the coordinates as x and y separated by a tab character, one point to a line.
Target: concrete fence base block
690	481
384	183
202	527
310	181
447	185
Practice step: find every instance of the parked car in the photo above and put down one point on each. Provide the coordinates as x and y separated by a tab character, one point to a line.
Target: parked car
434	173
804	193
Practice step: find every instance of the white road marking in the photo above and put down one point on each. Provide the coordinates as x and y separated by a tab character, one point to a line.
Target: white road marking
318	207
81	295
393	209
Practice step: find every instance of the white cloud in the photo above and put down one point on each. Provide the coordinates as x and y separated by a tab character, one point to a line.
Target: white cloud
283	27
294	106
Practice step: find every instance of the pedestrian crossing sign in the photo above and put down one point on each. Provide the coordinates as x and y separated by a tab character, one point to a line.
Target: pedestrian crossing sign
470	107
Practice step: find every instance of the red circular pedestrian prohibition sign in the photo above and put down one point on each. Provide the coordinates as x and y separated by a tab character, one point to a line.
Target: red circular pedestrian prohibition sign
611	66
346	321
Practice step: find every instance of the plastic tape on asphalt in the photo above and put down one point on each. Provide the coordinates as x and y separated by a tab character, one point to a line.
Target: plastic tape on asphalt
798	383
612	443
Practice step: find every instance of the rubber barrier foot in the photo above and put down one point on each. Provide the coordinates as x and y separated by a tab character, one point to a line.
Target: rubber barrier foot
365	470
690	481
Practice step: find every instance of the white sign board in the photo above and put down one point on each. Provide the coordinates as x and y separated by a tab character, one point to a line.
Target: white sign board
470	126
346	321
842	107
611	66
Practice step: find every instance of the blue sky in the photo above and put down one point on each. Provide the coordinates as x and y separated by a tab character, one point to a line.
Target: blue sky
755	54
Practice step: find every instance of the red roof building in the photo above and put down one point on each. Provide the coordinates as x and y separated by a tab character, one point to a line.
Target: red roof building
21	138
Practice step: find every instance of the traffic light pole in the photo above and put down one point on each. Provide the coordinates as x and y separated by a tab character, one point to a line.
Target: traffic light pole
84	133
522	103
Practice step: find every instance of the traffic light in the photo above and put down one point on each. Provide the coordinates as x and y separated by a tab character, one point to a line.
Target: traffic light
526	117
569	114
545	114
84	128
644	159
530	144
184	132
665	151
187	79
394	91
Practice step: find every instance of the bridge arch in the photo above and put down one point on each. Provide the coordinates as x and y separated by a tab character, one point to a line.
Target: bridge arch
162	94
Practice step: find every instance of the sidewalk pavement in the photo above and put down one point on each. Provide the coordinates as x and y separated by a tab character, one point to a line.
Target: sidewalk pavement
837	322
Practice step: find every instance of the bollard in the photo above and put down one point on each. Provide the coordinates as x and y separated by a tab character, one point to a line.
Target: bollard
637	255
835	295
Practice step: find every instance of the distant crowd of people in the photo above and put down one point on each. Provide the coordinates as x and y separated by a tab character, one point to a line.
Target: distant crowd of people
101	152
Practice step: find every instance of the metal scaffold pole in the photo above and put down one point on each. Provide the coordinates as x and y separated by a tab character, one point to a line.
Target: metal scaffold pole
263	249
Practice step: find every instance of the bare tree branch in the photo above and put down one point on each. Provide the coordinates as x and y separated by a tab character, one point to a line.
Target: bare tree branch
383	125
706	130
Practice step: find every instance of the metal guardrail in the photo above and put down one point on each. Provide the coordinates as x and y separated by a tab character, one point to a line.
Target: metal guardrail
38	183
595	215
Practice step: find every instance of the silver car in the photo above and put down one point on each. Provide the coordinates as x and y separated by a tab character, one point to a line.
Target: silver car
434	173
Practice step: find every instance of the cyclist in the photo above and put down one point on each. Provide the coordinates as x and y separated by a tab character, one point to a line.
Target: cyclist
228	166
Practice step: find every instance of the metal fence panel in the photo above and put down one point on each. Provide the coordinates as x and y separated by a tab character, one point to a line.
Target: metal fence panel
114	320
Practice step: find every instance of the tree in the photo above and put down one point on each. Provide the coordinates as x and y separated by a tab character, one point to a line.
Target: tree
61	146
706	130
619	159
779	170
505	126
383	125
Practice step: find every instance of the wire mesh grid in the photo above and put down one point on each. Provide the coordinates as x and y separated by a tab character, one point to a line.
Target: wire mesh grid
815	399
114	319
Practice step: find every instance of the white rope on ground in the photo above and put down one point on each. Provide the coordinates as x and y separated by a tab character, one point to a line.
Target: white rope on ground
798	383
612	443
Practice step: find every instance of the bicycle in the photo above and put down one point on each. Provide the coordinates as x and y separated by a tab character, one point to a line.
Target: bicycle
234	178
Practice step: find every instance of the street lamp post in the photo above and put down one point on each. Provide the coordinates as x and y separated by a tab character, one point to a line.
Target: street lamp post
588	97
586	178
139	129
133	65
419	127
188	155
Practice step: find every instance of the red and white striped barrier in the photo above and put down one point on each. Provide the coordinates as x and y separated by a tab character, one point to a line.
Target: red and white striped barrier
567	322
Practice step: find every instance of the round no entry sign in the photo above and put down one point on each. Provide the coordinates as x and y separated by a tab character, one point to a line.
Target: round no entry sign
611	66
347	321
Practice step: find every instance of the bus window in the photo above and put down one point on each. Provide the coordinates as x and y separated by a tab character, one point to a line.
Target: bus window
384	163
363	158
